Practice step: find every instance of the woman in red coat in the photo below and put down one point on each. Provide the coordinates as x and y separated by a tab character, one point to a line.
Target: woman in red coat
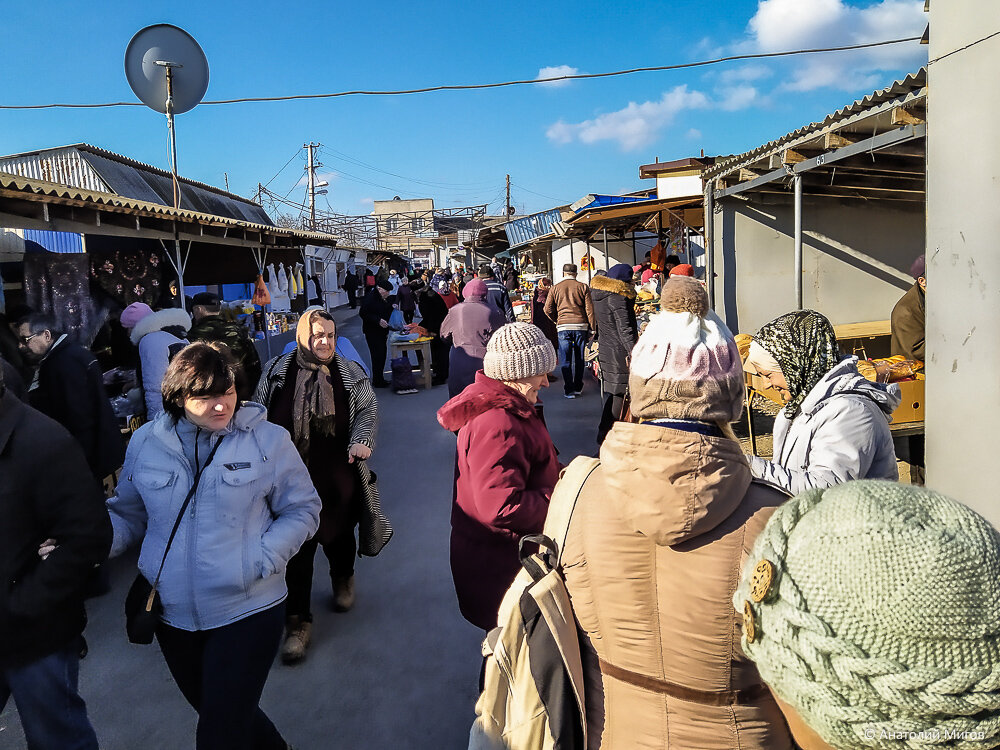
506	467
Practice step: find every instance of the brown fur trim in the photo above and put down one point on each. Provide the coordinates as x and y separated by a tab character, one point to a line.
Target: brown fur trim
684	294
606	284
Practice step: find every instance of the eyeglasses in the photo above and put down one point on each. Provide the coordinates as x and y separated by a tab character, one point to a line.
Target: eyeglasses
25	339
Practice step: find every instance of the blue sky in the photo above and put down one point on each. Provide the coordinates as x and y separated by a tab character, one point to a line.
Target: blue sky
558	142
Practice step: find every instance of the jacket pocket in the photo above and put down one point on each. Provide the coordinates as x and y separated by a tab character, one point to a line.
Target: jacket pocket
237	493
253	556
155	487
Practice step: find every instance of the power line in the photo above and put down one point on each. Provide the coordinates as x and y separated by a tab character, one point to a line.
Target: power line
468	87
334	154
283	168
540	195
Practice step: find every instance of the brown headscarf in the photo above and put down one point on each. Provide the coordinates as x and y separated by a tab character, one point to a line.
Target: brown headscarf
313	405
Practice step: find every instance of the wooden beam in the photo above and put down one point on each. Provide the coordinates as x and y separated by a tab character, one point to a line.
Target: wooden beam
748	174
836	140
790	156
901	116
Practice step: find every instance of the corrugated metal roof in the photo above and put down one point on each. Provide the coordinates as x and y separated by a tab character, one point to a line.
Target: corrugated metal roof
84	166
55	242
914	82
66	195
529	228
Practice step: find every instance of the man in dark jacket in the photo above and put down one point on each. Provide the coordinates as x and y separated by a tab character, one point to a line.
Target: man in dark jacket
570	306
433	310
351	284
209	326
375	312
497	296
46	493
69	388
614	308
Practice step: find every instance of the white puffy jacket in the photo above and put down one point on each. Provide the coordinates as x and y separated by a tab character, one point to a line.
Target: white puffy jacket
156	347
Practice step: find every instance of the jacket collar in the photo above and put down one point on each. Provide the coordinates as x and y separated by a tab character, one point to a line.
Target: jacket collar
606	284
171	316
844	377
484	395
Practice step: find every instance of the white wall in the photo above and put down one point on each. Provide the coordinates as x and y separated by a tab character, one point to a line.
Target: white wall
618	252
679	186
963	224
755	262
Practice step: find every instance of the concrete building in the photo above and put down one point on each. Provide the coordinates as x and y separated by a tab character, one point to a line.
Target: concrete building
829	217
406	227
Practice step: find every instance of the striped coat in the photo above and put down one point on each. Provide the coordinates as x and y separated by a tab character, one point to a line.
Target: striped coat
375	530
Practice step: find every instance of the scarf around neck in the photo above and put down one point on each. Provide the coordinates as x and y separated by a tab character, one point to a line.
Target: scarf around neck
313	405
805	347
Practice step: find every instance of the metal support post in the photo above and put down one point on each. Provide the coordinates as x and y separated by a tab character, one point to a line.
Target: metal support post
607	262
710	242
797	182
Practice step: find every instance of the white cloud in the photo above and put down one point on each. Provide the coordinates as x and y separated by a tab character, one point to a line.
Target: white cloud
554	72
733	98
634	126
781	25
745	74
693	134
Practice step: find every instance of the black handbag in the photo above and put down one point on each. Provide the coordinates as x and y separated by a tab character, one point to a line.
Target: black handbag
142	603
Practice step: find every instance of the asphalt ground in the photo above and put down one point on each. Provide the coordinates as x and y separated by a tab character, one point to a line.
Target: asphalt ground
398	671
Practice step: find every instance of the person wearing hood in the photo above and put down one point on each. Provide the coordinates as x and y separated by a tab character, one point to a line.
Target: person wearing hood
506	467
835	423
617	332
158	337
222	581
469	326
328	406
654	548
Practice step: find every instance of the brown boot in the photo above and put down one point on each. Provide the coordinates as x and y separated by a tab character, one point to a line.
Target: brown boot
297	634
343	593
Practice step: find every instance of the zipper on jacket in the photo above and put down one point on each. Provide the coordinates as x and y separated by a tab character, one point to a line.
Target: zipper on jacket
192	536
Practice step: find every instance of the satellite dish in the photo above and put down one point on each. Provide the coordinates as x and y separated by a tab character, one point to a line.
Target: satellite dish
153	51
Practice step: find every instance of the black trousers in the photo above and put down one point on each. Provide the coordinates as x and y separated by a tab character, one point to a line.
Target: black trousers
377	347
221	673
440	352
340	553
408	315
352	298
613	405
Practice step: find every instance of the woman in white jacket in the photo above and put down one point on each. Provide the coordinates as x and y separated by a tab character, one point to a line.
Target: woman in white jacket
835	423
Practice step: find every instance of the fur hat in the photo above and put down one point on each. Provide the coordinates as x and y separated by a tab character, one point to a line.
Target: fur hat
518	350
686	364
873	609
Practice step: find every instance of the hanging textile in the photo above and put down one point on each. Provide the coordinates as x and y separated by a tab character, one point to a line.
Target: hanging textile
677	239
58	284
128	275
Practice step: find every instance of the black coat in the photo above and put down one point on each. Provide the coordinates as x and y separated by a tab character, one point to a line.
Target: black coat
617	332
47	491
373	309
71	391
433	311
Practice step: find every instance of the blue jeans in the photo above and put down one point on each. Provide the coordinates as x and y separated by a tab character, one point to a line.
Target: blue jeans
53	715
571	357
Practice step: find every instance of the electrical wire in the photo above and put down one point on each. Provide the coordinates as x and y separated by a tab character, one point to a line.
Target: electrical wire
540	195
468	87
334	154
283	168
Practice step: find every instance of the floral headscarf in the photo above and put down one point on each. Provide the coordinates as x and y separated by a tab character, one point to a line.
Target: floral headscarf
805	346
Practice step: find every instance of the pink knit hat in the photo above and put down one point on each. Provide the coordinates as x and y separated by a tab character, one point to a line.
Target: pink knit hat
686	364
475	290
135	312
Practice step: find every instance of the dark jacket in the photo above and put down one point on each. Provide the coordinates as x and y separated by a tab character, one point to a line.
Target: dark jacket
237	338
908	324
506	470
47	491
469	325
499	298
614	310
433	310
375	530
569	303
373	309
540	319
406	299
71	391
13	381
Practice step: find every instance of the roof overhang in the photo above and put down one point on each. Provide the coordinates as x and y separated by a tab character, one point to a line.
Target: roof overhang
681	166
623	219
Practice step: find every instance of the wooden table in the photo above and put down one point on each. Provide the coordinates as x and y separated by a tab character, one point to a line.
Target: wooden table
399	348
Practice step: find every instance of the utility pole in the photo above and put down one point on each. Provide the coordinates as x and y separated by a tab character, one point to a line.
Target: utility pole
507	215
226	176
311	169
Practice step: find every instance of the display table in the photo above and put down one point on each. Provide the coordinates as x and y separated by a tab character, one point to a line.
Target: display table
422	345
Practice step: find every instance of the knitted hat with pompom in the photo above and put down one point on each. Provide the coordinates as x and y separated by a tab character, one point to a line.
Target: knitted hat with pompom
873	610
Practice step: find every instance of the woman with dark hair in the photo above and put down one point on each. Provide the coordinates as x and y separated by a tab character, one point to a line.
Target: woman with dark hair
221	581
328	406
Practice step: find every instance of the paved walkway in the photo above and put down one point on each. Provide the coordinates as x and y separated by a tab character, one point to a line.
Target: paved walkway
399	671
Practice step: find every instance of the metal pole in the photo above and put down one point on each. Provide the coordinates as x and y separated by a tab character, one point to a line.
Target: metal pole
176	183
797	182
710	243
607	263
312	186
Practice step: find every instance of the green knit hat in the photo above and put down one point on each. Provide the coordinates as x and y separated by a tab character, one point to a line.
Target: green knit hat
873	609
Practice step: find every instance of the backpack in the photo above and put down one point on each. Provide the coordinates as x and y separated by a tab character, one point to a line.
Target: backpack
534	694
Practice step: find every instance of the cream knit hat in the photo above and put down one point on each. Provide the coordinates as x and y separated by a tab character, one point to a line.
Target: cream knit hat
518	350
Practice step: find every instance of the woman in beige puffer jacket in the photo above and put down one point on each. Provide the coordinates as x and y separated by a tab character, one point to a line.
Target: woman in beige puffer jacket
655	546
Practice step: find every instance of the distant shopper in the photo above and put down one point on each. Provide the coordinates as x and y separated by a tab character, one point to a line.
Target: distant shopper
908	335
538	316
681	269
872	610
506	468
46	493
617	332
469	326
328	407
375	312
496	293
407	301
223	580
570	306
158	336
835	423
448	296
433	311
394	280
210	326
69	388
351	284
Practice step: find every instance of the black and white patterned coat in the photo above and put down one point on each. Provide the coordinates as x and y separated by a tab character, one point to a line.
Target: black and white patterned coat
375	530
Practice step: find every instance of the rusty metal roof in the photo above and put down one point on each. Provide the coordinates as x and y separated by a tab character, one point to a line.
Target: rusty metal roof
913	84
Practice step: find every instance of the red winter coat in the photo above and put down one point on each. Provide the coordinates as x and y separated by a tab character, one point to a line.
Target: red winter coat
505	473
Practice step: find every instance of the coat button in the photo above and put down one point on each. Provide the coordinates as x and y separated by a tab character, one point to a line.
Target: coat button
749	626
760	582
